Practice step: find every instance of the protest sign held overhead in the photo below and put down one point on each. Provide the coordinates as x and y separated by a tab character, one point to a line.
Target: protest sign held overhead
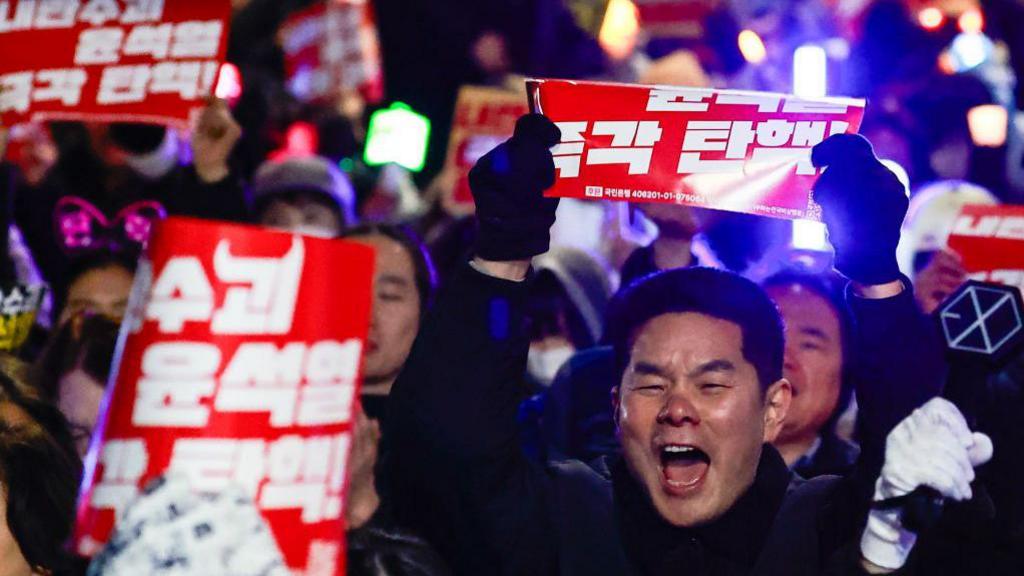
237	369
484	118
109	60
990	239
330	48
731	150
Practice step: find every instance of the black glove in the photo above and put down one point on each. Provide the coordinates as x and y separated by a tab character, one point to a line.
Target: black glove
863	204
508	184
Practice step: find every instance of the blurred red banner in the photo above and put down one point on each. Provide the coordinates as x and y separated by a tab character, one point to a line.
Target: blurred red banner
724	149
109	60
331	48
239	363
990	239
484	118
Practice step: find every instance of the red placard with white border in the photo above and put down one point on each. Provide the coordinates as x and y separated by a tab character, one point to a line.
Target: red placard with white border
990	239
724	149
330	48
484	118
109	60
239	363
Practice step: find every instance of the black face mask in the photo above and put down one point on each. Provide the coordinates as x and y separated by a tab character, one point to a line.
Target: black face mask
375	406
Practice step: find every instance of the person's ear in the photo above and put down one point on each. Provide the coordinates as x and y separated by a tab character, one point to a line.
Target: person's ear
776	406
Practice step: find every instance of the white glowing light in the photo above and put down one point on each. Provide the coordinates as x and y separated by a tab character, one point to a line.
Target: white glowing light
809	235
752	47
970	50
809	71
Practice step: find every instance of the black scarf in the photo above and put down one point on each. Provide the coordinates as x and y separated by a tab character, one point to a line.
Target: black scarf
728	546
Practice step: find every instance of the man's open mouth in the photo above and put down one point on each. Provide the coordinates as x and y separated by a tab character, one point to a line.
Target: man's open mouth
683	466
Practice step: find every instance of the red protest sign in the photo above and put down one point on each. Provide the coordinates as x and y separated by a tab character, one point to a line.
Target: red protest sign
725	149
484	118
331	48
109	60
990	239
239	364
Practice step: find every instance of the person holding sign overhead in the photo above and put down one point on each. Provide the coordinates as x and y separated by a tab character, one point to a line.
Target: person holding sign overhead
698	489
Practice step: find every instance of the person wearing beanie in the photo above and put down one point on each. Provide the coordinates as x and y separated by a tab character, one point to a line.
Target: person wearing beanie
306	195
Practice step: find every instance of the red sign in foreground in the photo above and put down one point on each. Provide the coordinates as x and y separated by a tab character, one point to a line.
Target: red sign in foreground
990	239
109	60
239	364
725	149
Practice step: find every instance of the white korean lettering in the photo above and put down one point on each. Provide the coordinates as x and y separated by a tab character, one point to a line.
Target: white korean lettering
181	294
63	85
267	304
124	463
56	14
149	40
16	92
123	84
568	152
632	144
99	46
176	377
24	11
137	11
197	39
262	378
678	100
99	12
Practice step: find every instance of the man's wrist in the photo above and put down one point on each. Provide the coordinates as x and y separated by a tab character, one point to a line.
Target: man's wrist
878	291
513	270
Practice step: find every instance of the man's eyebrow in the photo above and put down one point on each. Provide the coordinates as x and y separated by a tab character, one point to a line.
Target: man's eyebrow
815	332
648	369
720	365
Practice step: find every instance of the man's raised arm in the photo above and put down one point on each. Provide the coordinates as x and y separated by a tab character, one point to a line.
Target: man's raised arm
455	469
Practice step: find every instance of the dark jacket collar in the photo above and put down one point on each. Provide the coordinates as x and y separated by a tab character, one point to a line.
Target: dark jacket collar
729	545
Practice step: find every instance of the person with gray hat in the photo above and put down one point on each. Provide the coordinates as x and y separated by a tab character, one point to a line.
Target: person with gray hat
306	195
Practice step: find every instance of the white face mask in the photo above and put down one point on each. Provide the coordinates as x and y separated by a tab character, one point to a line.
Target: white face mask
313	230
157	163
544	364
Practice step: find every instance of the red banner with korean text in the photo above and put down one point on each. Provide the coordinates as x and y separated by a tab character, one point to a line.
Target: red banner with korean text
109	60
239	363
990	239
484	118
331	48
724	149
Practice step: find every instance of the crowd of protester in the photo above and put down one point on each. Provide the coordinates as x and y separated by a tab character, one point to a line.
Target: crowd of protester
577	387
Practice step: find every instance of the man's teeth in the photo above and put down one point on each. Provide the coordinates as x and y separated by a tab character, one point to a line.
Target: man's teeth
679	449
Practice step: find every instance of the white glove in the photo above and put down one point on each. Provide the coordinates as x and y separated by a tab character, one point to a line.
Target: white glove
932	447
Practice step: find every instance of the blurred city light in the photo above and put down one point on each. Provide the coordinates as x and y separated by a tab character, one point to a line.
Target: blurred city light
399	135
229	83
969	50
931	18
751	47
809	71
988	124
971	22
809	235
619	29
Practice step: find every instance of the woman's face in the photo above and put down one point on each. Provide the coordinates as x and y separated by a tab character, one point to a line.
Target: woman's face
78	397
102	291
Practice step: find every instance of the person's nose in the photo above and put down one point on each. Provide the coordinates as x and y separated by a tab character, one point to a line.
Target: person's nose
678	409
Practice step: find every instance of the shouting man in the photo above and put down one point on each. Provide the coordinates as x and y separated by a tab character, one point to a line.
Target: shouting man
698	489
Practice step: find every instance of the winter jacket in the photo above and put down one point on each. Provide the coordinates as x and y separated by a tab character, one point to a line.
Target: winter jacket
458	476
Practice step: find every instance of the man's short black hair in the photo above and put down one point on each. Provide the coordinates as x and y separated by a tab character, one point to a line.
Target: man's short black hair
715	293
